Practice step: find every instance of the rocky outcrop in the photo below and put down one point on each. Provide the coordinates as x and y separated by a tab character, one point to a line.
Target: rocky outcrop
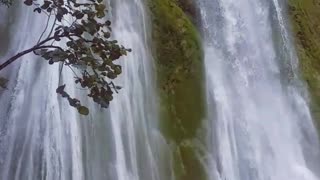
179	60
305	16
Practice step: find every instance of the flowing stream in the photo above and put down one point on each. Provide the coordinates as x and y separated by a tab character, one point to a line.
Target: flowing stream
261	127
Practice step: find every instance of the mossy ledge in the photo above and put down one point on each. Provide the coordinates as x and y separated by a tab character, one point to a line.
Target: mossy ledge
305	17
179	61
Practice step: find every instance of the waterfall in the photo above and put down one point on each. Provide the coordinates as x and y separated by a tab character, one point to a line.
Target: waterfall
42	137
258	126
260	123
140	148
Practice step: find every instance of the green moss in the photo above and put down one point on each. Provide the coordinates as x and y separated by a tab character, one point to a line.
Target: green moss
190	8
306	25
179	59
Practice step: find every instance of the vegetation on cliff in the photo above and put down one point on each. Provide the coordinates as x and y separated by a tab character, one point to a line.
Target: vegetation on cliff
85	44
306	25
179	60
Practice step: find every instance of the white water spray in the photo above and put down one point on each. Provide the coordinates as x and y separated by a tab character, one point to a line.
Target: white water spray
258	114
42	137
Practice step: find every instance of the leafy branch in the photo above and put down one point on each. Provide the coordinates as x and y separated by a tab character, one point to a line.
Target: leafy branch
79	37
6	2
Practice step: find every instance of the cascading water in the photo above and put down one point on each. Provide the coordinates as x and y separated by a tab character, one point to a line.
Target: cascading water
140	149
261	128
42	137
260	124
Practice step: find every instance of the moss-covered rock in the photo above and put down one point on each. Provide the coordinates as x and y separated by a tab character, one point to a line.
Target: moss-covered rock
190	8
305	17
179	60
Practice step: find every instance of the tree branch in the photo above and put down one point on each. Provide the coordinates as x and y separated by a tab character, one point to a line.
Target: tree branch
17	56
53	37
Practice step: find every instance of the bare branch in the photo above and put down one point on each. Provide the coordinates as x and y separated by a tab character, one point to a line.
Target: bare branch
45	29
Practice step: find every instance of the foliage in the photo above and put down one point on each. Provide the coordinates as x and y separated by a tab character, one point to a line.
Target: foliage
79	37
6	2
179	60
305	18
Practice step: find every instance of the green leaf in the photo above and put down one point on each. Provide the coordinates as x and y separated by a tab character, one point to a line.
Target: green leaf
108	23
59	17
100	10
37	10
83	110
28	2
74	102
45	5
41	52
60	89
111	75
49	10
79	15
117	69
106	35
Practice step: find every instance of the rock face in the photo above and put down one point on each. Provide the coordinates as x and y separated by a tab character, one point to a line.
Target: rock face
179	61
4	34
305	16
190	8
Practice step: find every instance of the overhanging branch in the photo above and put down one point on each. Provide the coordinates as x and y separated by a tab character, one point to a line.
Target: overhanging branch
17	56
